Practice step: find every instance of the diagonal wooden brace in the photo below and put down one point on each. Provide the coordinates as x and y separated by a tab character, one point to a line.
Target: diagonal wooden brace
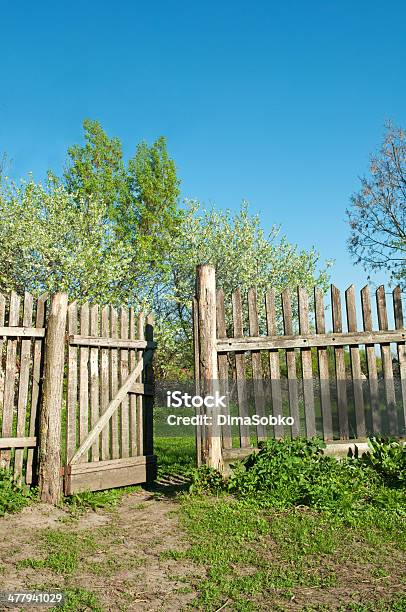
112	407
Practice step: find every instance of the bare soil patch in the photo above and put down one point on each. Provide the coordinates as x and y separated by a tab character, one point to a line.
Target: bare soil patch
124	568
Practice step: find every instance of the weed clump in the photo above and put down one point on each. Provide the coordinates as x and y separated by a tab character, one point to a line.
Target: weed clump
13	496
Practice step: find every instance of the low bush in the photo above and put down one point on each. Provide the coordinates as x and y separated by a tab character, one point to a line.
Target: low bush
286	473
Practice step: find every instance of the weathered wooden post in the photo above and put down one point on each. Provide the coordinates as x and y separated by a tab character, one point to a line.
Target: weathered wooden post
208	372
50	480
148	400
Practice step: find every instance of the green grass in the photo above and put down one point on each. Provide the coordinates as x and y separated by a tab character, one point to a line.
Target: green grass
175	455
95	500
297	521
79	600
232	540
258	557
64	551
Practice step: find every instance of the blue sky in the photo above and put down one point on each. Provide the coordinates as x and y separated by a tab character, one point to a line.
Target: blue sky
277	103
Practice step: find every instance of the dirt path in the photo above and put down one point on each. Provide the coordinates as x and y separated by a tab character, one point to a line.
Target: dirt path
120	554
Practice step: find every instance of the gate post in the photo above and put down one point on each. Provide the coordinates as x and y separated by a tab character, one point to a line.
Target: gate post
148	400
207	373
50	479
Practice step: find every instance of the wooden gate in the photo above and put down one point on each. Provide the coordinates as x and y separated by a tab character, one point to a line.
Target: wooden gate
76	394
282	348
109	421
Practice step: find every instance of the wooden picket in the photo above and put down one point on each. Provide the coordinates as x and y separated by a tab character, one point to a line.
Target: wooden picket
371	359
240	366
125	421
291	367
324	375
25	361
344	406
36	382
401	347
274	365
223	364
256	362
104	382
386	360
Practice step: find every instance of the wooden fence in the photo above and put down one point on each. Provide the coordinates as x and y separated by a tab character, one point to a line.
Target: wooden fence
288	371
76	391
22	333
76	382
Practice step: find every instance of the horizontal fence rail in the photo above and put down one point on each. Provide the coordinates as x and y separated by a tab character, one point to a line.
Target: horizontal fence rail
117	343
260	343
26	332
